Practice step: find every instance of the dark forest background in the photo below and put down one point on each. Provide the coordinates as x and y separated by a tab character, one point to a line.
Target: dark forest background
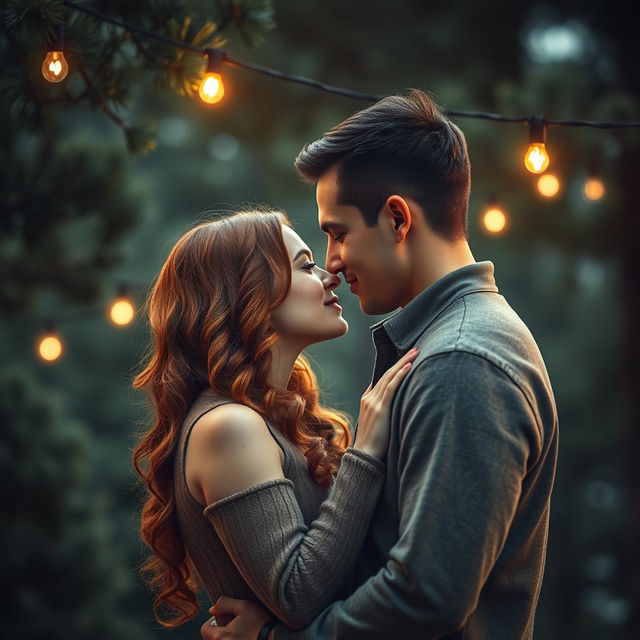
102	173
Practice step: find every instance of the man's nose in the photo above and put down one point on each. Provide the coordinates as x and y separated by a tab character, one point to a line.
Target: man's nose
333	264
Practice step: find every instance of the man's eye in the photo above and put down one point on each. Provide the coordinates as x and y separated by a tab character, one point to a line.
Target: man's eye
309	266
339	236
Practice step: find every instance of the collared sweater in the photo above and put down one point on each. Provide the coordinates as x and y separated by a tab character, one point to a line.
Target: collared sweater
457	543
287	543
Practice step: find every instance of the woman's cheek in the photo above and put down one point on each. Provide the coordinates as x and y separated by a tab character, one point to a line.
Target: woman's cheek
310	290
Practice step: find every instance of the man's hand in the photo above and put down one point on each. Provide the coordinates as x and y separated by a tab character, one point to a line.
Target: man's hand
247	621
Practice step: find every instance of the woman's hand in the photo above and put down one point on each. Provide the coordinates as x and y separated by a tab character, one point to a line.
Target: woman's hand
375	405
248	619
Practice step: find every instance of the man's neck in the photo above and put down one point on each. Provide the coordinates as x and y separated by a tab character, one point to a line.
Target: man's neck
440	261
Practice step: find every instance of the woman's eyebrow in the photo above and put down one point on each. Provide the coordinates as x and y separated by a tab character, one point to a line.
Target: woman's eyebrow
302	252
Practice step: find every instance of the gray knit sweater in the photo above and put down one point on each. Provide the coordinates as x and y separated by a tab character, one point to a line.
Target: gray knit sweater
457	543
286	543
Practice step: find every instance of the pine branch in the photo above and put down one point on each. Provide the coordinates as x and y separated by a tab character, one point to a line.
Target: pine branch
97	97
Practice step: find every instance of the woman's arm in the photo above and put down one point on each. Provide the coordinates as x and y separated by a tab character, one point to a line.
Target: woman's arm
295	570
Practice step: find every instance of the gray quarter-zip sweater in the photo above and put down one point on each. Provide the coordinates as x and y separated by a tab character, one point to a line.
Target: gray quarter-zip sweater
457	543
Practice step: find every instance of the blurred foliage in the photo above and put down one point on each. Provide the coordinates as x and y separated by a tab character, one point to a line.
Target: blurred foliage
80	213
62	575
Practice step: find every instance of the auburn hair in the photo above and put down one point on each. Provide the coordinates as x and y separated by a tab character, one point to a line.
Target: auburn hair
209	311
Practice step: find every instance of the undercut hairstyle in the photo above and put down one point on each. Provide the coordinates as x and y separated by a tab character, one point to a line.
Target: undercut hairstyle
401	145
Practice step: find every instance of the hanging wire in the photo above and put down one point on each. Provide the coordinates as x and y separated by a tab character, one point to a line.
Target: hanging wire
89	312
274	73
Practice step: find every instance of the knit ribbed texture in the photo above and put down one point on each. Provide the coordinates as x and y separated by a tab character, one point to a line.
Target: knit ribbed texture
287	543
294	569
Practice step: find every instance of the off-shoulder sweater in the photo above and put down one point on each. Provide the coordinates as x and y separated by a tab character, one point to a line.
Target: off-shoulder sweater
287	543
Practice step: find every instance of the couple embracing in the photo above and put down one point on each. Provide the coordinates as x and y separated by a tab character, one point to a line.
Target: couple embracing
430	519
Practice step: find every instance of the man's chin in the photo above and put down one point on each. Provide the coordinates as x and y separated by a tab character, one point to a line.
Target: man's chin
374	308
367	307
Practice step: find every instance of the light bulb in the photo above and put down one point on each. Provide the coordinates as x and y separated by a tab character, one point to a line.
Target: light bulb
50	344
594	189
211	88
494	219
122	312
548	185
536	159
55	67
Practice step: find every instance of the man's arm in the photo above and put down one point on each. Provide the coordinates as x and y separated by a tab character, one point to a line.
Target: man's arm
466	433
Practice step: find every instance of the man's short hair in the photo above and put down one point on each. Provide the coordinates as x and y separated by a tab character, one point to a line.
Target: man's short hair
401	145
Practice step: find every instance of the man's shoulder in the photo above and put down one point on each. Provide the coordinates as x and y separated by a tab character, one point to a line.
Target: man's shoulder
477	343
481	324
487	335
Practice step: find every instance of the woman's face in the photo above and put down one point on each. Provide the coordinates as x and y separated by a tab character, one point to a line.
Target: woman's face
305	317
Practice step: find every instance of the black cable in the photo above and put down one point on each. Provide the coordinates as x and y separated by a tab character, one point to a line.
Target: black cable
129	27
307	81
274	73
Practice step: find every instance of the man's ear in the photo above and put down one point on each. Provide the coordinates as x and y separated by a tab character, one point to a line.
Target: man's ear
398	216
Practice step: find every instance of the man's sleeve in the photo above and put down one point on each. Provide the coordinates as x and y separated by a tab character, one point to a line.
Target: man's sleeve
466	433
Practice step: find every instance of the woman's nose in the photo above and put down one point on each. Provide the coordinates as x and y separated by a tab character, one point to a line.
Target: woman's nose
331	280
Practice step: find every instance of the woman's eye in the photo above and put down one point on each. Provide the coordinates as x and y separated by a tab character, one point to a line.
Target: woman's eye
309	266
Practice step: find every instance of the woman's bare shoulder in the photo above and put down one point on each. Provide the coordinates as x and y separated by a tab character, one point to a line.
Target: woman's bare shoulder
230	449
230	423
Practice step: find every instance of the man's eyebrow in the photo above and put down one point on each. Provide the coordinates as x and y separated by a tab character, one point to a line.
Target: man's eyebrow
301	253
329	226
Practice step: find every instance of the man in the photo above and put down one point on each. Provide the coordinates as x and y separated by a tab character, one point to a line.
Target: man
457	545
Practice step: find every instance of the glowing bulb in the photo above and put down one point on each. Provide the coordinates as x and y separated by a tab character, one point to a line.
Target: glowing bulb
594	189
494	219
55	67
50	347
536	159
211	86
122	311
548	185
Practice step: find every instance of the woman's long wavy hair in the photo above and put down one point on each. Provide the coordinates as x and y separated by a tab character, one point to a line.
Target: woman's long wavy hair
209	312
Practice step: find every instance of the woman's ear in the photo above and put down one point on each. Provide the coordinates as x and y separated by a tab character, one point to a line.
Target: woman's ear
398	214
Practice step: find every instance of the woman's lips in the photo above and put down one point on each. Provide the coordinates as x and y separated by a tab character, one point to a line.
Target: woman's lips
333	302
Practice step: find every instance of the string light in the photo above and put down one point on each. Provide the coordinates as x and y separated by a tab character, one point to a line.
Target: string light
593	188
50	344
122	309
536	159
121	312
548	185
54	66
358	95
211	86
494	219
55	69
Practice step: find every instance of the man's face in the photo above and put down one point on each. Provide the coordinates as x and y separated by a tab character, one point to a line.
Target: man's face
365	255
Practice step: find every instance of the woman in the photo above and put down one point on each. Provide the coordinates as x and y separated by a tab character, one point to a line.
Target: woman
253	487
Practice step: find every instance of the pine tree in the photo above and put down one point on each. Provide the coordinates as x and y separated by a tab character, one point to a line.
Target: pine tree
62	576
66	206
